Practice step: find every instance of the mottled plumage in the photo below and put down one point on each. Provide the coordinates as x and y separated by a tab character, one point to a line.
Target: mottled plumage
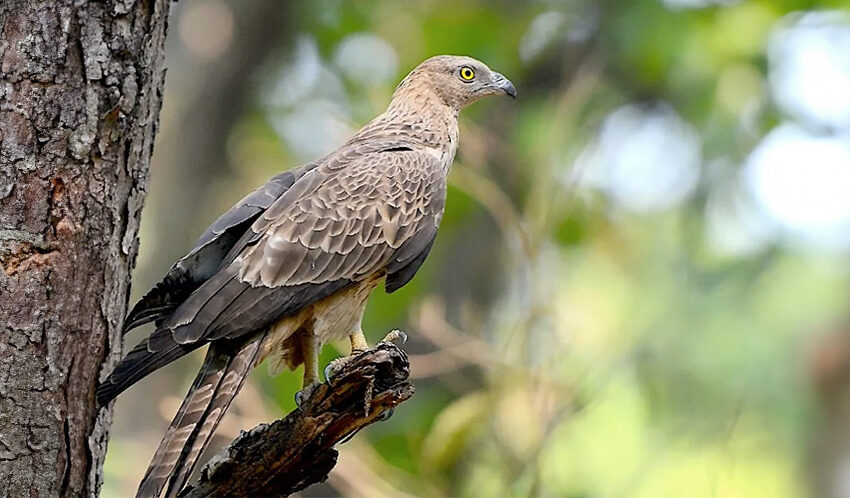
291	266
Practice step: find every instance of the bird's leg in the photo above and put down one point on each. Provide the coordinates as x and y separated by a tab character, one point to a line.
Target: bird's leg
358	345
358	342
310	351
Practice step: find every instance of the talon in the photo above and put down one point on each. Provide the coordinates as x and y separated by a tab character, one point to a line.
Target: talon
334	367
328	371
305	393
386	415
396	337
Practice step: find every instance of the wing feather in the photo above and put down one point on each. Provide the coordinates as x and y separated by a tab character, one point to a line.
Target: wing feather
328	230
207	255
347	225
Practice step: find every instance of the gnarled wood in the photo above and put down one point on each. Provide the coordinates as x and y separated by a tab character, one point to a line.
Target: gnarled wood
288	455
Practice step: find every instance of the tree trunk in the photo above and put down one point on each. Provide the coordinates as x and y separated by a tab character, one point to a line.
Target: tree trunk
80	92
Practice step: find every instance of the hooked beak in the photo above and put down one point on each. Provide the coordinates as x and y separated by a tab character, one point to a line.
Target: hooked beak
504	84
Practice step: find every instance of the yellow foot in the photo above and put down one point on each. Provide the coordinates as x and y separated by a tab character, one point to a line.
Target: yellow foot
337	365
396	337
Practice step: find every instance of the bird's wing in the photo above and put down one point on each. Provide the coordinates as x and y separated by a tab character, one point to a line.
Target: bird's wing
378	214
206	256
334	226
222	239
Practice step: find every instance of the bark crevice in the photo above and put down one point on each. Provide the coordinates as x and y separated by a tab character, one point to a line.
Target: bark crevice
80	93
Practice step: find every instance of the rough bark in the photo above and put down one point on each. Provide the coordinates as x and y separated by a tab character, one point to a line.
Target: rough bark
80	92
297	451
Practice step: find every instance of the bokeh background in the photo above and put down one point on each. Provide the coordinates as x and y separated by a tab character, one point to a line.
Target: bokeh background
641	285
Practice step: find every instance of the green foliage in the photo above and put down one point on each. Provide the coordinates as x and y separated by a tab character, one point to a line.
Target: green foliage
616	354
562	343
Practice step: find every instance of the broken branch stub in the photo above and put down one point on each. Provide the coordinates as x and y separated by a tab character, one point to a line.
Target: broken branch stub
290	454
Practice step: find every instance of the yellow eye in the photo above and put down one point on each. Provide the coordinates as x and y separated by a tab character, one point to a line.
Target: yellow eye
466	73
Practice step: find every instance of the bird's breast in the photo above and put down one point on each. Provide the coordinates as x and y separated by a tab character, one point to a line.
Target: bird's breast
332	318
339	315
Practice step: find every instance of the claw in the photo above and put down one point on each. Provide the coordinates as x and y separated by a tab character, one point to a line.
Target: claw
327	372
337	365
396	337
334	367
386	415
305	393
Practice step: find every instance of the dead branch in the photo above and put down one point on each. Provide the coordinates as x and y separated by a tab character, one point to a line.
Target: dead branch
290	454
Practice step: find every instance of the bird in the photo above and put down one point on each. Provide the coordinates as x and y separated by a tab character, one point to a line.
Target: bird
291	266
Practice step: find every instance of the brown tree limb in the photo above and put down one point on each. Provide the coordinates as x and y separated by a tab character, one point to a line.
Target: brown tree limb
290	454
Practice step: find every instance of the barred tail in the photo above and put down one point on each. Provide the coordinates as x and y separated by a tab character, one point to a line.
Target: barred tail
218	381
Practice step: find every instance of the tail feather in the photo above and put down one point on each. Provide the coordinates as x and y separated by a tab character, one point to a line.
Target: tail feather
180	431
137	364
231	384
219	380
139	318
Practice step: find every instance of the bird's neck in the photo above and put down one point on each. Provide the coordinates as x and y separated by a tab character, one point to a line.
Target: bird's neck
420	96
424	119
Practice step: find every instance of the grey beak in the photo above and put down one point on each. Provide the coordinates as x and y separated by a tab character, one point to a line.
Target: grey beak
504	84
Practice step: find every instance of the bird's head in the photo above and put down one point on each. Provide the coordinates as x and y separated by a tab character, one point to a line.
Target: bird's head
457	80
